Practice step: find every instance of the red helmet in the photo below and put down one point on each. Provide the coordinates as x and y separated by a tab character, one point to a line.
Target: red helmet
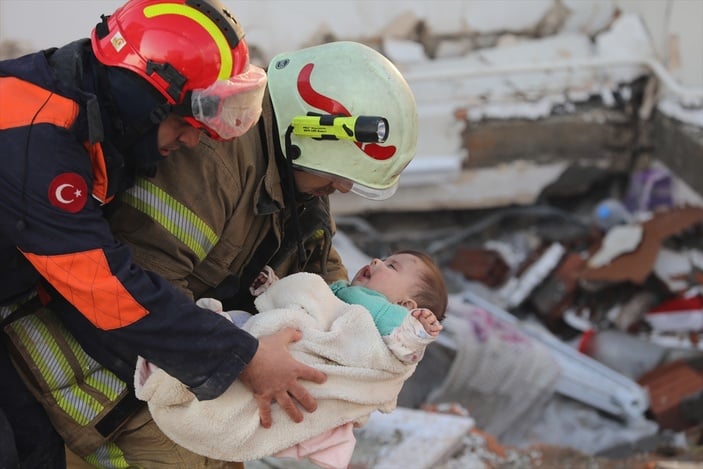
193	52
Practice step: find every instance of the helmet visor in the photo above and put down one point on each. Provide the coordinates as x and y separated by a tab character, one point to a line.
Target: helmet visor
228	108
366	192
372	193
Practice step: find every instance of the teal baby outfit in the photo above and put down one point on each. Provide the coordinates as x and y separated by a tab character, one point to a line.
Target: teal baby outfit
386	315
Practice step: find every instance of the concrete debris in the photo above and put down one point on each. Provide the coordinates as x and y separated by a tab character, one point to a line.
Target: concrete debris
544	345
516	292
484	265
627	354
414	437
556	294
618	241
580	377
635	266
497	372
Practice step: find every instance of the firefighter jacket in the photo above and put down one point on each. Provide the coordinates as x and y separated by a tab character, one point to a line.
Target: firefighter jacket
214	211
208	216
56	175
209	220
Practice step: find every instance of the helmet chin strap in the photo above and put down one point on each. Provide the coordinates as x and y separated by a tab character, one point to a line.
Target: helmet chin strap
135	111
291	153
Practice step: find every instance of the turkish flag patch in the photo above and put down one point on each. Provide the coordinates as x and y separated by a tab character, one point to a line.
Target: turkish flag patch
69	192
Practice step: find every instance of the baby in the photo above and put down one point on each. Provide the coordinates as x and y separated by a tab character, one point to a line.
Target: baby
395	290
367	337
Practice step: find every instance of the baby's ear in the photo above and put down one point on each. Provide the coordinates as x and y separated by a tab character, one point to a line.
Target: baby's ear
408	303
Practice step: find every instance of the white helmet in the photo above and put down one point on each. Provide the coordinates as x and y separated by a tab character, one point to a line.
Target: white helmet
344	110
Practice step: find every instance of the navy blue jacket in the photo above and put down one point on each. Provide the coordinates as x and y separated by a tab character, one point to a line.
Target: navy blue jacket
57	173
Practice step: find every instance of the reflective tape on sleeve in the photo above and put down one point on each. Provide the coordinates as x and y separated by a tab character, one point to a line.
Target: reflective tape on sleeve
175	217
78	384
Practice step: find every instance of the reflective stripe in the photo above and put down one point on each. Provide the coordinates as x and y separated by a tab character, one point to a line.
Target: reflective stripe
55	367
56	372
73	388
175	217
5	311
40	346
109	456
206	23
107	383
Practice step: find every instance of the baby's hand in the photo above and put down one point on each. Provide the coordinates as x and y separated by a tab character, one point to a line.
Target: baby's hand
428	321
263	281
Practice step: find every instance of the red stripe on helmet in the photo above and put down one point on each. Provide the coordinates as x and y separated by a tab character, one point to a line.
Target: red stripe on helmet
331	106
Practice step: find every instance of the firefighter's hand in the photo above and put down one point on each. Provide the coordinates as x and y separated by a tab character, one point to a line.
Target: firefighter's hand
273	375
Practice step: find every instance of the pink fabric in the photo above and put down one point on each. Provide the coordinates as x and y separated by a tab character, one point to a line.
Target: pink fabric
330	450
144	369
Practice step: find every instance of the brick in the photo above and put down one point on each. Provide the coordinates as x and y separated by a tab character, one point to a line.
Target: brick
668	386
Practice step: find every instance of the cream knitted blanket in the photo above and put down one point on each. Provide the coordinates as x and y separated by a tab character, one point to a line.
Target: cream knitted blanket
339	339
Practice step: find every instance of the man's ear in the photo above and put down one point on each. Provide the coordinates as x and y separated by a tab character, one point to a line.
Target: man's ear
408	303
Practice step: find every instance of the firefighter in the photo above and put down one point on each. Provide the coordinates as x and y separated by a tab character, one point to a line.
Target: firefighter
78	124
262	199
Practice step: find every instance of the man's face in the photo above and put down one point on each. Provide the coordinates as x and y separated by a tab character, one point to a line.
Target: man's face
397	276
319	184
174	133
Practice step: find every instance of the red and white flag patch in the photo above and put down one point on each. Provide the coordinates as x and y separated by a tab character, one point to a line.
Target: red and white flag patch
69	192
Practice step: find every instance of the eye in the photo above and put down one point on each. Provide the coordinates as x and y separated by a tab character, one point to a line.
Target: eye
392	266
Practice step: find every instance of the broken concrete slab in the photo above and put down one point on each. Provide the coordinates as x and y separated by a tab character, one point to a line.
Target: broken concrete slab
404	438
408	438
519	182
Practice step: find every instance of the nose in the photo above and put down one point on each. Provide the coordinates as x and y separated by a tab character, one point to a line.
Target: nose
375	263
342	186
189	137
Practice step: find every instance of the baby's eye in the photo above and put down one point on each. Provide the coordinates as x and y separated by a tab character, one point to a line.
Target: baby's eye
392	266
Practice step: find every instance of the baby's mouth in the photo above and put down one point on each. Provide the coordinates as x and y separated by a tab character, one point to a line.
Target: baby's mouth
365	272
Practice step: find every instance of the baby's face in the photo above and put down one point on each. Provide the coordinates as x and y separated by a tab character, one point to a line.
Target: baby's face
397	276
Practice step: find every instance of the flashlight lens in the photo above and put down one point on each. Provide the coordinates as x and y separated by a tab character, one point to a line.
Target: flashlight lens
371	129
382	130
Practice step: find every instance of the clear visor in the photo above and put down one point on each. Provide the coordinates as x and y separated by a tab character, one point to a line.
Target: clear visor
230	107
374	194
352	186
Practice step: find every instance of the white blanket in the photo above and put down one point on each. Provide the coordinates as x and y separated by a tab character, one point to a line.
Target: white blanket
339	339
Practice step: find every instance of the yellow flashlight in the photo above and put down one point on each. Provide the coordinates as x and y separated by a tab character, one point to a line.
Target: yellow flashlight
364	129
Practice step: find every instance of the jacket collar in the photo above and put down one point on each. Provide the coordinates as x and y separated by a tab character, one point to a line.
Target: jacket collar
270	196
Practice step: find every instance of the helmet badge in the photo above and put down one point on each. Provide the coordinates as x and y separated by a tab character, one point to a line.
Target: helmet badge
118	41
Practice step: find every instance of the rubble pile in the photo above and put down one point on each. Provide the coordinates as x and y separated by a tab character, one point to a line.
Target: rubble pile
574	324
623	286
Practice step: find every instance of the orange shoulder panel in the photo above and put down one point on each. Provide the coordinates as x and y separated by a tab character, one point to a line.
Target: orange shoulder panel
23	103
85	280
97	161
